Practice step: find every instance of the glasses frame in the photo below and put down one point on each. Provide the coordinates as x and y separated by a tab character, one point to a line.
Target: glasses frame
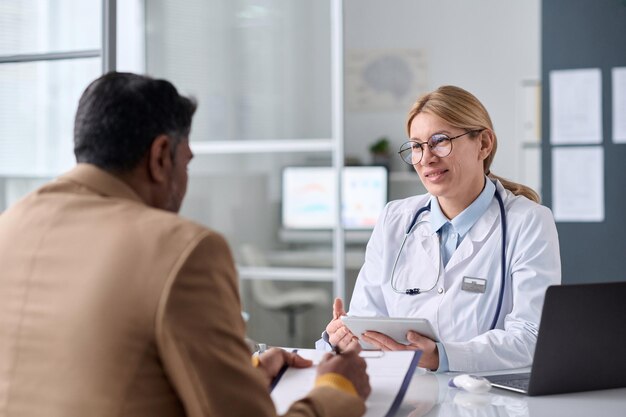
421	145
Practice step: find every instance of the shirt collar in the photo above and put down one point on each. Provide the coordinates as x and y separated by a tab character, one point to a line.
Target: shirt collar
437	218
466	219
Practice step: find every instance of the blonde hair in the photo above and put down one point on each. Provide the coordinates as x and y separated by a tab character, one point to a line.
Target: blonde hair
463	110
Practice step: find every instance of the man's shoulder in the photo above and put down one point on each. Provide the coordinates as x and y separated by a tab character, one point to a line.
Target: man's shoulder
168	226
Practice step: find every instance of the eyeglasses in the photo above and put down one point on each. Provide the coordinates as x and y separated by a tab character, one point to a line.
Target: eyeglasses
439	144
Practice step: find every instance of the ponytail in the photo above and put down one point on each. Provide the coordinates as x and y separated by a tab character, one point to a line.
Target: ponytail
517	189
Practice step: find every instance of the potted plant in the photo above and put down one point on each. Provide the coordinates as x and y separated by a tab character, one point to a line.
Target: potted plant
380	152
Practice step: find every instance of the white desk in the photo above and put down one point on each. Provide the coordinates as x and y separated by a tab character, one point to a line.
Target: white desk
429	395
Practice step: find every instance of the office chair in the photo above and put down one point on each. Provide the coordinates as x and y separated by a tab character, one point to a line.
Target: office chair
289	301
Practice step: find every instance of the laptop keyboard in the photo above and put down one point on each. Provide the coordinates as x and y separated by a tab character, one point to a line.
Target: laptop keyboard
516	381
521	384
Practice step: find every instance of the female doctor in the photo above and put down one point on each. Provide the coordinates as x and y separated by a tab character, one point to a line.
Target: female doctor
474	256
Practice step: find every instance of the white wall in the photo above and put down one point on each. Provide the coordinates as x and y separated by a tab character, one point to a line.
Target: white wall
485	46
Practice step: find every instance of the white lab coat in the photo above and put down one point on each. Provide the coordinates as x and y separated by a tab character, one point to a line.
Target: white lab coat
462	318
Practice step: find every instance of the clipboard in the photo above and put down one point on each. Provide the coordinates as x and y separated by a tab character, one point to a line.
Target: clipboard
394	327
390	375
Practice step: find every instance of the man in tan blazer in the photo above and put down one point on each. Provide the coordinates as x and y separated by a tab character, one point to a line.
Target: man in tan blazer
112	305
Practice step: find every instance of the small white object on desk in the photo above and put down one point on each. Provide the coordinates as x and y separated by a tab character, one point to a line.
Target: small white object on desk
470	383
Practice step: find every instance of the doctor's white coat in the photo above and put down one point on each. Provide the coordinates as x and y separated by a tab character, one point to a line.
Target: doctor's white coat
462	318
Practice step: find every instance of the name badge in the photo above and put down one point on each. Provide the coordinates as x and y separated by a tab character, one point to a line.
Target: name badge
471	284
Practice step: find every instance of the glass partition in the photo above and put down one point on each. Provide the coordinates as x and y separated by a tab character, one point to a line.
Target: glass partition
38	102
260	70
42	26
241	196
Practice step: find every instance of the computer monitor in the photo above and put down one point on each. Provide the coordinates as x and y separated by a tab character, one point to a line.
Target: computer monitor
309	197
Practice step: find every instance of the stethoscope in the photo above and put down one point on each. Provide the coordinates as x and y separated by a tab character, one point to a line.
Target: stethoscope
413	225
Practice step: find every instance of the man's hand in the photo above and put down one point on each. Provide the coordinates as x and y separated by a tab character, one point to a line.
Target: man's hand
273	359
338	333
430	353
350	365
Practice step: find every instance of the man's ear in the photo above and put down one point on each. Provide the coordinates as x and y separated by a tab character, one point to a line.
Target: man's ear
487	140
160	159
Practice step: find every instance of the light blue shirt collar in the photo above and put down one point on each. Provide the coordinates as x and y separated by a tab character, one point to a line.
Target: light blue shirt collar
466	219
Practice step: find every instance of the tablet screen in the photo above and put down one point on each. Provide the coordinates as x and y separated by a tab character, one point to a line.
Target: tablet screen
396	328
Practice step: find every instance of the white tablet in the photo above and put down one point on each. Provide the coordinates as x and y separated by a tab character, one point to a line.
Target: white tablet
396	328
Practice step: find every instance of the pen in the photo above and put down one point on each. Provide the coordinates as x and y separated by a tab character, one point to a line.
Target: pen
336	350
280	373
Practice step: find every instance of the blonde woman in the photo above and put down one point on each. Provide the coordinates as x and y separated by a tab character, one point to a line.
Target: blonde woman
474	255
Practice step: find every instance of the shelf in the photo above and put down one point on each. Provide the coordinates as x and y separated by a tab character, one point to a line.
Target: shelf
322	236
262	146
30	175
398	176
287	274
531	145
315	258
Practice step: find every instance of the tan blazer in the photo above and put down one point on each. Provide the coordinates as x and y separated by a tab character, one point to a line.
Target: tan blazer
111	308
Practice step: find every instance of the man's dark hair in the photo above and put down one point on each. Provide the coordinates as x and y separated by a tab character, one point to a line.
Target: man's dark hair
120	114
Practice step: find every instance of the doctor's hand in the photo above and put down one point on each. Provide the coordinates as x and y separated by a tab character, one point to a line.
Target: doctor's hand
338	333
430	353
273	359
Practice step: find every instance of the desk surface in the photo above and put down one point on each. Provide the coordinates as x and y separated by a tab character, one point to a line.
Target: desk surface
429	395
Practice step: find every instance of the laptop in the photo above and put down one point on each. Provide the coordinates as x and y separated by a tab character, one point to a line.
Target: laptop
581	344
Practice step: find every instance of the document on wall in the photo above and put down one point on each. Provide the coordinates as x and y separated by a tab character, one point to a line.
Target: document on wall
389	376
578	193
619	104
576	106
